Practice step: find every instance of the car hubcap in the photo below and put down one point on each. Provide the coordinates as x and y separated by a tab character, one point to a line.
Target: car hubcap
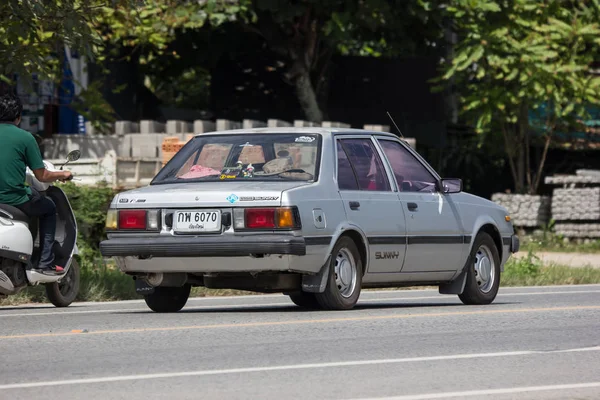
485	273
345	273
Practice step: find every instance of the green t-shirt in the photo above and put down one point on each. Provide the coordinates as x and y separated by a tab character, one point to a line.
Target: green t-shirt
18	150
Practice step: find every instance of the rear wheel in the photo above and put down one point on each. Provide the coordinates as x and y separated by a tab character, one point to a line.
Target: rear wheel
483	273
345	277
168	299
306	300
63	293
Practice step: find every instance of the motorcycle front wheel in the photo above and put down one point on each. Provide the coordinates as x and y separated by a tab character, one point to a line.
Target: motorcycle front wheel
64	293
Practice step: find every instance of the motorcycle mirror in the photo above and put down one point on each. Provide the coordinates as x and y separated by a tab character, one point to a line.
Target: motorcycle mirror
73	155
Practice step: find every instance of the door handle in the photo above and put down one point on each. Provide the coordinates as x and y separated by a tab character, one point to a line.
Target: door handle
354	205
412	206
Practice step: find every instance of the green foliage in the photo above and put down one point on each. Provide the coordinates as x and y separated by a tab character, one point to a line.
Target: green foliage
522	272
90	205
551	242
518	56
525	266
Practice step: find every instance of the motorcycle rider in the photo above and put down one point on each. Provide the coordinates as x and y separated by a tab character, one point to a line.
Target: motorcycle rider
18	150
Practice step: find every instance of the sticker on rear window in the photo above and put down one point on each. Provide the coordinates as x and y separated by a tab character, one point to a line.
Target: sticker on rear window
305	139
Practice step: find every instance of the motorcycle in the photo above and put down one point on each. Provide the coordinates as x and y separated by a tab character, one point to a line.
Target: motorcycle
20	245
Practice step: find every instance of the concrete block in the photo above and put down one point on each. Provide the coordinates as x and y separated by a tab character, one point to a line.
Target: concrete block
525	210
124	127
177	126
333	124
151	126
277	123
252	123
225	125
103	129
146	145
203	126
572	204
412	142
298	123
377	128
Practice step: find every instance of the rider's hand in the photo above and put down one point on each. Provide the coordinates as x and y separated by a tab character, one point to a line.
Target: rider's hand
67	176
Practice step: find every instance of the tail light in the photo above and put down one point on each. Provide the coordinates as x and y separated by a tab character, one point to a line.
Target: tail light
132	219
138	220
285	218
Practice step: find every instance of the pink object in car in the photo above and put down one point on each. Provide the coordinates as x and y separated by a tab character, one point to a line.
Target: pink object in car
198	171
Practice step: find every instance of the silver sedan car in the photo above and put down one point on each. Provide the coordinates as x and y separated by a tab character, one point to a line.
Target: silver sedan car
315	213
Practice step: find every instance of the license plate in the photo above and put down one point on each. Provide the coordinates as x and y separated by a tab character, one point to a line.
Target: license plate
197	221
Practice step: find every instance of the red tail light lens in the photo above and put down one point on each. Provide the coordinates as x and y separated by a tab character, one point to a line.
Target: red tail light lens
260	218
132	219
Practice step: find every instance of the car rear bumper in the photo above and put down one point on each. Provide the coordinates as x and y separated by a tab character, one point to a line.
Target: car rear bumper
514	244
215	246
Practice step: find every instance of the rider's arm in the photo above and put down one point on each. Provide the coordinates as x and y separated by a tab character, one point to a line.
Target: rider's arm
43	175
33	158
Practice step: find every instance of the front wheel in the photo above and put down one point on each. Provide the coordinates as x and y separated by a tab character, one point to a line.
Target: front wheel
168	299
305	300
63	293
483	272
345	277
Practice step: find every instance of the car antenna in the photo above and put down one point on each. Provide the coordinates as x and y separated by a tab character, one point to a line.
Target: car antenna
394	122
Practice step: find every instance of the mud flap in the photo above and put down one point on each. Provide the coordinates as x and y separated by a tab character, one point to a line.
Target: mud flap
318	282
456	286
142	287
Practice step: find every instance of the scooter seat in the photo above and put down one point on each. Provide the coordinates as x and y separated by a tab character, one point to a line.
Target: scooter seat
17	215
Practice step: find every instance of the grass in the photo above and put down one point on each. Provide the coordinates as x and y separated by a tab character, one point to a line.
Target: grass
529	271
549	242
104	282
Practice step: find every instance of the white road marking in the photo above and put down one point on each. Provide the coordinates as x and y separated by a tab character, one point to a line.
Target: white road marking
108	379
488	392
251	305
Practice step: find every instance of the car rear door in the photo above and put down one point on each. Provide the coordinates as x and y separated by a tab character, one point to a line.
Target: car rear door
435	241
370	203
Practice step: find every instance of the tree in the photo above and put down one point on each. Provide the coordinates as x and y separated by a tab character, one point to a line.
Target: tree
304	33
307	33
33	34
524	68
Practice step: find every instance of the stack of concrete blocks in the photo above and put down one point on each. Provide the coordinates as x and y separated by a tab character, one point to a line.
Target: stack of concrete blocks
576	204
526	211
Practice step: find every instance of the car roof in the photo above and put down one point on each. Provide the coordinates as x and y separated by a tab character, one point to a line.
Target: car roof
304	130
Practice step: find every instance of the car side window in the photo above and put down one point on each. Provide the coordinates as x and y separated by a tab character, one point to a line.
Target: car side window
366	164
411	175
345	175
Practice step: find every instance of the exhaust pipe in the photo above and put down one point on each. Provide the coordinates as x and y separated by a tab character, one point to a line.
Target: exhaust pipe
6	286
176	279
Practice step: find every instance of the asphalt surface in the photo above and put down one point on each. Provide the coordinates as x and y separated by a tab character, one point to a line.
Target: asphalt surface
532	343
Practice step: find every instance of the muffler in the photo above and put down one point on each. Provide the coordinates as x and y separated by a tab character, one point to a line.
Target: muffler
6	286
173	279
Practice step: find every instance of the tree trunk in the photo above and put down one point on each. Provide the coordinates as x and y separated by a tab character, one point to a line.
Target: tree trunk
307	97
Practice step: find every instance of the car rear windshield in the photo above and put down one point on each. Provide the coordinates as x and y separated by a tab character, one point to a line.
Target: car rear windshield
272	157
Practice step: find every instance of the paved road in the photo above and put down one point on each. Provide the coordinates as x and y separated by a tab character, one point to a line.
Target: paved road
532	343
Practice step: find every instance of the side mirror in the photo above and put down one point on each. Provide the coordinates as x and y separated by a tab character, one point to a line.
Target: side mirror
452	185
73	155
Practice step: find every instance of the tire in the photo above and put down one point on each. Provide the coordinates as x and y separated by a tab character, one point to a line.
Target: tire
168	299
483	272
305	300
345	277
64	293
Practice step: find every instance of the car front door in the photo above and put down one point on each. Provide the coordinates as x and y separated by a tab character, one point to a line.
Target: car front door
435	235
370	203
